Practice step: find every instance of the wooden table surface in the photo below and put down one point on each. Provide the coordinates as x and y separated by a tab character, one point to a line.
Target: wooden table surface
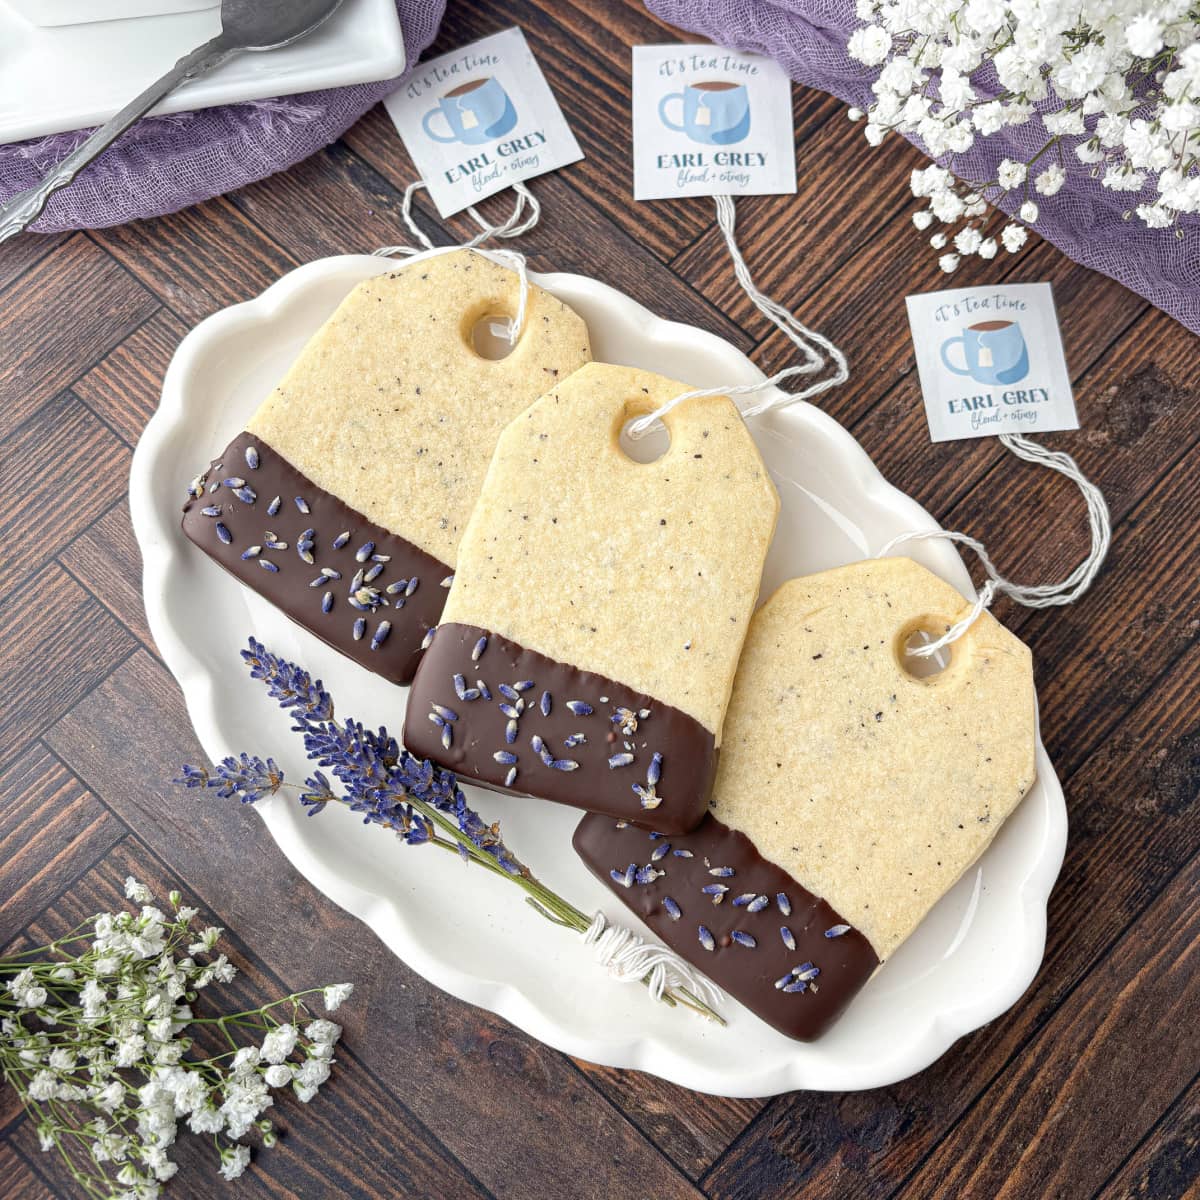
1087	1087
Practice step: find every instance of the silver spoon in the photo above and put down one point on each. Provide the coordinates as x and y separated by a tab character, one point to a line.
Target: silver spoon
246	25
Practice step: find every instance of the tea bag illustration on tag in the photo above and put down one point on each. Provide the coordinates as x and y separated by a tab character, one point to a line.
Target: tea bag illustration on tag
599	606
851	794
344	498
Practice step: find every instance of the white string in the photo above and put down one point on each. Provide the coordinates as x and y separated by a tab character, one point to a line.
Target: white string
515	224
806	340
1043	595
630	959
810	343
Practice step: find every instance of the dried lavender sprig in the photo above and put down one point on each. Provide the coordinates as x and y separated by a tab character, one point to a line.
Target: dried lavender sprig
382	780
393	789
248	777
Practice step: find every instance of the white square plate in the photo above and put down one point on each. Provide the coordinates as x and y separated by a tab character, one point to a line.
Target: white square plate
74	76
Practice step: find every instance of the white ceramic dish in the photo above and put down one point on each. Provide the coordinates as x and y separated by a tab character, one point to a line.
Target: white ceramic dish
75	76
970	960
86	12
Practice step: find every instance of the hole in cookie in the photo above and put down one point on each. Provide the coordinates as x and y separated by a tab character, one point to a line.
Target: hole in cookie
923	666
489	337
650	447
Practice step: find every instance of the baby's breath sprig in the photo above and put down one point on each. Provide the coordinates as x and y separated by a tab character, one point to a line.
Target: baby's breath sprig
417	801
1104	89
96	1039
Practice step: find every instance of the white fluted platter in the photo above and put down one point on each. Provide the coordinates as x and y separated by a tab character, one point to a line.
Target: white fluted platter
469	932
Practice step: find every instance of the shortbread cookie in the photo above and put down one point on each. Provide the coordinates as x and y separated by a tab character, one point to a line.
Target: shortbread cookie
599	605
851	794
344	499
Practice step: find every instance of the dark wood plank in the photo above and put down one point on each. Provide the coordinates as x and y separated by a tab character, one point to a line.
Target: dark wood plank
1167	1163
52	654
48	469
105	559
693	1130
17	255
51	830
332	203
1123	658
198	260
803	242
890	423
958	481
124	387
1019	1144
1135	404
1029	1138
1133	829
66	310
20	1180
489	1091
861	308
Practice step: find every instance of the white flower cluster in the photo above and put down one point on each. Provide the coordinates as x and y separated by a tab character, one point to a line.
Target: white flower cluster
105	1074
1122	78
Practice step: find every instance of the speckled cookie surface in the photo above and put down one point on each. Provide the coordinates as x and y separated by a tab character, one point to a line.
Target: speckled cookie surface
644	573
390	409
344	498
872	788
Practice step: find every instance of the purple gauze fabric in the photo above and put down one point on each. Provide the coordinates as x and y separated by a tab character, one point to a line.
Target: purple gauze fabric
808	38
166	163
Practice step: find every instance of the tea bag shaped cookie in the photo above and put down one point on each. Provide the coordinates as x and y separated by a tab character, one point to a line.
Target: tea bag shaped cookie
599	605
344	499
850	797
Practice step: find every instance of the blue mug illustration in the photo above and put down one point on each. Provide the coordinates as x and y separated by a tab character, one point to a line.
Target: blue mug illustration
993	352
714	112
475	112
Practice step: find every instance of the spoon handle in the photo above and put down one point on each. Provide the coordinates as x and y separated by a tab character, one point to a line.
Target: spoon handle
26	206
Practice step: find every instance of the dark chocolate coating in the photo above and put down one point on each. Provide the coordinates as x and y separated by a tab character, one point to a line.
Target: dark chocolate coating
748	974
688	755
397	656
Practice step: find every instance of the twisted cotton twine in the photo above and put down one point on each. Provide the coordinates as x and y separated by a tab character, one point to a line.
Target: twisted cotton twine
821	357
515	224
629	959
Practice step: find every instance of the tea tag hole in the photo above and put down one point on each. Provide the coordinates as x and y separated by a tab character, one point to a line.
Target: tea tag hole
650	447
923	667
489	337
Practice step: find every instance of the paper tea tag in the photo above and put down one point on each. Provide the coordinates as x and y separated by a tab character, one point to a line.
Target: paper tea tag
708	122
991	361
479	119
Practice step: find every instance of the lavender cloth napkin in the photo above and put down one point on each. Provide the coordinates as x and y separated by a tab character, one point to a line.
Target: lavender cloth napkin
808	38
166	163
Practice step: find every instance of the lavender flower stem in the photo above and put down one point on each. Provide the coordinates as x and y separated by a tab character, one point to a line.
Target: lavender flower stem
543	901
414	799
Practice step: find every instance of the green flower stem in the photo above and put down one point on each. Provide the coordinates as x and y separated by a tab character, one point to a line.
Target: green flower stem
12	963
546	903
235	1018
